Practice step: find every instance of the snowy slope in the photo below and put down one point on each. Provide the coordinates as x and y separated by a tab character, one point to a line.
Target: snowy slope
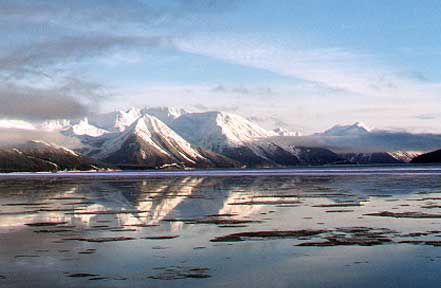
84	128
347	130
405	156
218	130
148	142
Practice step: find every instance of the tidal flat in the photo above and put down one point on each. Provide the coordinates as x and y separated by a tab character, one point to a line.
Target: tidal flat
305	228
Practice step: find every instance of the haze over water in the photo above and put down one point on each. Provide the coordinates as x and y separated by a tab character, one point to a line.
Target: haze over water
300	228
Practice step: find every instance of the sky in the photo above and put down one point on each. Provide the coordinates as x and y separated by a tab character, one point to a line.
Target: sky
301	65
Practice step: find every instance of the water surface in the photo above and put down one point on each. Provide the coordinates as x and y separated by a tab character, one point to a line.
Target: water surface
266	228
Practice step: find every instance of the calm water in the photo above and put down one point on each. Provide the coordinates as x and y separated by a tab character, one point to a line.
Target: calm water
181	230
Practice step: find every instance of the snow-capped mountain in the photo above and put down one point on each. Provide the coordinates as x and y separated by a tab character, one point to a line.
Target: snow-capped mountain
84	128
116	121
149	143
170	137
217	131
405	156
284	132
246	142
347	130
72	128
165	114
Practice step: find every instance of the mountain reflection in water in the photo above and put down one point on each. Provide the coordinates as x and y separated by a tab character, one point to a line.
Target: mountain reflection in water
255	231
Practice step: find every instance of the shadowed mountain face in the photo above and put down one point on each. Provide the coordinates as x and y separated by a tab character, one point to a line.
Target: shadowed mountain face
431	157
371	158
37	156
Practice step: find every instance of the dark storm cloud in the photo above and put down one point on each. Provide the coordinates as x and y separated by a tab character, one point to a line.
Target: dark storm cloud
45	60
71	100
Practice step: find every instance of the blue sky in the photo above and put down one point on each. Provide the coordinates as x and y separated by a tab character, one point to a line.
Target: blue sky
304	65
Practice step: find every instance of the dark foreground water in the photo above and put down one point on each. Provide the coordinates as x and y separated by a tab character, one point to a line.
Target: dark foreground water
319	228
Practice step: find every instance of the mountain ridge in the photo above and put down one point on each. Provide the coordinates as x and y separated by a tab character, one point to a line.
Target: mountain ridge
167	137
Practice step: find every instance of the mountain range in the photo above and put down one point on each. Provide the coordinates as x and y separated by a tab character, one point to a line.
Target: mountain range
163	137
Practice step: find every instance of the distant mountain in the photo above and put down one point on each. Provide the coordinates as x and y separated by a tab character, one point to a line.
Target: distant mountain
149	143
72	128
36	156
165	114
371	158
269	154
116	121
84	128
431	157
356	139
284	132
356	129
253	146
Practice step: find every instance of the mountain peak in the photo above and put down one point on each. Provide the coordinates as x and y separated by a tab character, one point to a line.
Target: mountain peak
148	142
216	130
84	128
147	124
165	114
361	125
355	129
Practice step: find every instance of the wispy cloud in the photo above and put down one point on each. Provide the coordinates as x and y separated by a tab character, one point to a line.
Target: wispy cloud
428	116
354	72
244	90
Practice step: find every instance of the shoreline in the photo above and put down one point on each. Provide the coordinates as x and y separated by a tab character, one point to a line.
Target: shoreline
300	171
